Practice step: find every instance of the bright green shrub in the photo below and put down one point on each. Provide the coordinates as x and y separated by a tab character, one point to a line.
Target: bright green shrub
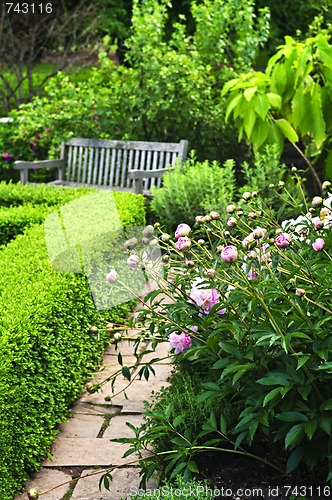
46	348
14	220
193	189
13	194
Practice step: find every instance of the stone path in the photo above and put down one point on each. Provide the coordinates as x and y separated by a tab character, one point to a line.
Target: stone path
83	444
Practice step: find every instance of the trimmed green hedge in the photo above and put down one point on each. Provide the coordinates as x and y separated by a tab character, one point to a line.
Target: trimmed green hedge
46	348
13	220
14	194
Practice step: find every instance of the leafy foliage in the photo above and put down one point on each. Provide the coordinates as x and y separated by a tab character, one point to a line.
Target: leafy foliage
193	188
251	304
168	88
291	100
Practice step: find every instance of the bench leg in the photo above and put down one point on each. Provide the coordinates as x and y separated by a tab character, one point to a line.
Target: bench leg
24	176
138	186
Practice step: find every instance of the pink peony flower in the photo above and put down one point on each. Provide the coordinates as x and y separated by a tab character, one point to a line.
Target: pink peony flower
283	240
179	342
318	244
183	243
112	276
229	254
182	230
205	298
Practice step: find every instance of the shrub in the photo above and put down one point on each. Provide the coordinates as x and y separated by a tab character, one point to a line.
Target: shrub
251	302
14	220
199	187
47	349
194	188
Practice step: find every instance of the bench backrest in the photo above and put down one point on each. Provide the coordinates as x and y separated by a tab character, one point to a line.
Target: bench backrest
106	162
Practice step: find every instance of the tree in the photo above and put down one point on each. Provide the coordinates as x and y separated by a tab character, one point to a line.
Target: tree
26	36
291	100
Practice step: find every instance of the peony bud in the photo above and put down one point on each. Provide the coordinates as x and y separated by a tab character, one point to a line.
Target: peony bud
182	230
231	222
165	237
214	215
190	263
183	243
117	337
317	201
230	209
131	243
211	273
33	494
300	292
112	276
133	261
271	186
281	183
326	185
199	219
246	195
148	230
93	329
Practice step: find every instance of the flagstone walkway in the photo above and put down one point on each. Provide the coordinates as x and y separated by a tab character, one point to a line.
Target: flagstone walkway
83	447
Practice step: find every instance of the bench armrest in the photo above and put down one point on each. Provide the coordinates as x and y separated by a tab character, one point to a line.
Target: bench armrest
138	175
25	166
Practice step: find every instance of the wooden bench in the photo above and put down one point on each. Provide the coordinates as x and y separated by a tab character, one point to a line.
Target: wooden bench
119	165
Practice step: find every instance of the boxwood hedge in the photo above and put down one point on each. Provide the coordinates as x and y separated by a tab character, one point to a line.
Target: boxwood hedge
46	347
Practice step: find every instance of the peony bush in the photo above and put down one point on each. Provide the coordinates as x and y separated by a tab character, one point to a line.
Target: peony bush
249	305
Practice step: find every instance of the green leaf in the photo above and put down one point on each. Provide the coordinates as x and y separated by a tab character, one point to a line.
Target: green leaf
328	167
249	93
274	380
261	105
177	421
271	395
126	372
302	360
292	416
327	405
293	436
310	428
223	424
120	359
274	99
232	104
294	460
249	119
287	130
192	466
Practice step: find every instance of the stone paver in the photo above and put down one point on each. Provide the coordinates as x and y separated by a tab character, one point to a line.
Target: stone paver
118	429
46	479
69	452
87	426
124	482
